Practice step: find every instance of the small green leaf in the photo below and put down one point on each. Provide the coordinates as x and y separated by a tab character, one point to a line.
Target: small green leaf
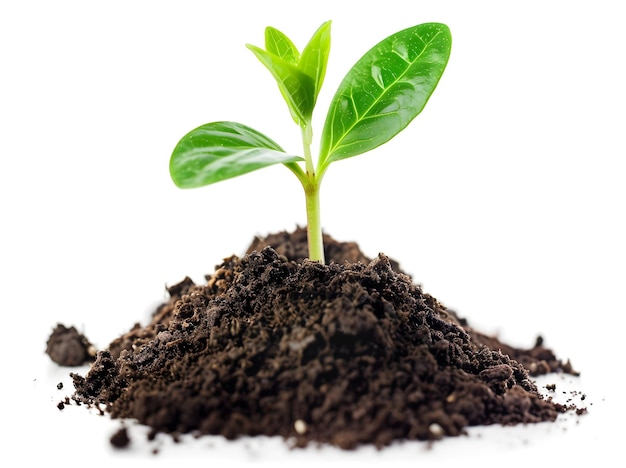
280	45
315	57
384	91
296	87
222	150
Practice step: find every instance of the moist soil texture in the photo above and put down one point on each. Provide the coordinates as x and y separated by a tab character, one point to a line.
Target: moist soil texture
348	353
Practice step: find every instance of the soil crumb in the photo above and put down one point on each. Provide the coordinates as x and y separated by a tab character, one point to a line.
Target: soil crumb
68	347
120	439
348	353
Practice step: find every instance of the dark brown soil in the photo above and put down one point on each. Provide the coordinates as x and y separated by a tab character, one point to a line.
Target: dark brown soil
348	353
68	347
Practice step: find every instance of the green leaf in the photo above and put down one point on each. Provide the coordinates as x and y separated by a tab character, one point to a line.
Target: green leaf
296	87
315	57
222	150
280	45
386	89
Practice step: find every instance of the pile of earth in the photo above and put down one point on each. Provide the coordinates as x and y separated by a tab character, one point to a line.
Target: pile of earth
347	353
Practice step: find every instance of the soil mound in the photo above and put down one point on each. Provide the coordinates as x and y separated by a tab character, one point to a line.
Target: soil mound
348	353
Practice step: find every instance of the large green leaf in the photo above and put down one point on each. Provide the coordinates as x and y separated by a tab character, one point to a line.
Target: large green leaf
222	150
384	91
297	87
315	57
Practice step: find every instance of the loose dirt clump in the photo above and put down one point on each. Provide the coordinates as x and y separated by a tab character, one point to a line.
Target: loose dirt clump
348	353
68	347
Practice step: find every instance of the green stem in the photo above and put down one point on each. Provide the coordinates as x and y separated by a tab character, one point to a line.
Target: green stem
312	196
314	227
307	137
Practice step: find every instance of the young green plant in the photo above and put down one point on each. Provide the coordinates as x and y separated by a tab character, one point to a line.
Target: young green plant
380	95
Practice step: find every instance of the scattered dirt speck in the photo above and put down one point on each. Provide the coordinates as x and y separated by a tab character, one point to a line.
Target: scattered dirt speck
120	438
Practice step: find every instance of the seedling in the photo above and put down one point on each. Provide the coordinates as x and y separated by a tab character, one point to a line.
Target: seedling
380	95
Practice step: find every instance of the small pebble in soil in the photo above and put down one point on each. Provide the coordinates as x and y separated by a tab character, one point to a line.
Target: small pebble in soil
300	426
436	430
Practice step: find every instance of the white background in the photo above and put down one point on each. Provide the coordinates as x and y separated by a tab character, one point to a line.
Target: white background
504	198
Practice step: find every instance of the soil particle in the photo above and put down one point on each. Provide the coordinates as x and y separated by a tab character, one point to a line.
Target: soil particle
348	353
120	438
67	347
